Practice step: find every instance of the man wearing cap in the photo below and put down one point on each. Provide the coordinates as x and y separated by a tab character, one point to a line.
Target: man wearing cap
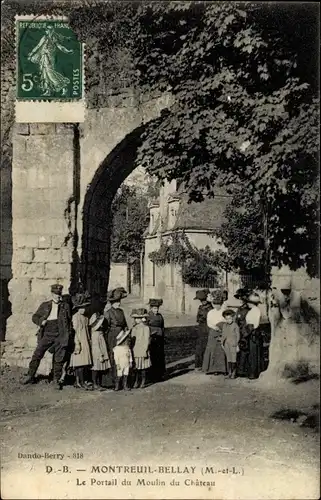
55	328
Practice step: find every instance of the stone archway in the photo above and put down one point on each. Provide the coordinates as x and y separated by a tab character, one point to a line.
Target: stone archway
95	256
63	179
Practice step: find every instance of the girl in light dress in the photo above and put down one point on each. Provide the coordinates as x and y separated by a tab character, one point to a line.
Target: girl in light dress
81	358
141	342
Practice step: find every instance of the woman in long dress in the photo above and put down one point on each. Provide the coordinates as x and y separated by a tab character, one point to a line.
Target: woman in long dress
81	358
44	56
254	337
115	322
214	358
202	331
242	356
155	322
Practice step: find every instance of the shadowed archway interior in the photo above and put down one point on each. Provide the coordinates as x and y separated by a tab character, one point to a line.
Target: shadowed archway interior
97	215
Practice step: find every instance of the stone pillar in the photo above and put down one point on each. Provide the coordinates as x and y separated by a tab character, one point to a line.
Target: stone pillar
43	225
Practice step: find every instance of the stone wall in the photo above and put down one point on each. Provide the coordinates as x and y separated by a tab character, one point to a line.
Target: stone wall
55	171
42	178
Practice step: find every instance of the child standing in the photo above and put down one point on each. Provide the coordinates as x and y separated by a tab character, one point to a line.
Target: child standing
99	350
230	340
140	341
123	359
81	358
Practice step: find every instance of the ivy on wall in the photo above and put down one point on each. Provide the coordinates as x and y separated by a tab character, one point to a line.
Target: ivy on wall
197	265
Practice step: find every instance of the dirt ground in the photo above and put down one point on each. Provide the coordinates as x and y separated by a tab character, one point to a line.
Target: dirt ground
189	420
255	442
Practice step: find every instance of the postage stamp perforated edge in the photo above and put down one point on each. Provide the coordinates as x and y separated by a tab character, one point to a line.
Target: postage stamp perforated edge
54	110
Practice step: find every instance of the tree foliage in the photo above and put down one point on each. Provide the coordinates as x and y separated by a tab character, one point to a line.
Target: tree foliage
242	234
130	220
246	110
244	77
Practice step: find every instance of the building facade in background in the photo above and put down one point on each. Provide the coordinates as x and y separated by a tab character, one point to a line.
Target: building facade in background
171	213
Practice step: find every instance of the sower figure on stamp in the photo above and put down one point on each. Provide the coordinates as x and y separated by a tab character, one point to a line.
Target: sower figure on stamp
55	329
44	56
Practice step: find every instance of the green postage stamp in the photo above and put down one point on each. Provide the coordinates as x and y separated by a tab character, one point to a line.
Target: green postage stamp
49	69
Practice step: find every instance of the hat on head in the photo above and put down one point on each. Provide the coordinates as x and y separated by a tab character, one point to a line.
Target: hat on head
228	312
242	293
217	296
119	290
81	300
96	321
122	336
139	313
56	288
115	295
254	299
202	294
155	302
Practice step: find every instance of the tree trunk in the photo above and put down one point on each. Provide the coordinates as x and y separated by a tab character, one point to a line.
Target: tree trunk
291	353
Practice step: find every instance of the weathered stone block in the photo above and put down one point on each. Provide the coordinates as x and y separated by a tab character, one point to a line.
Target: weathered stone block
20	177
38	177
19	286
22	128
49	226
64	128
57	241
21	240
44	242
57	271
25	225
66	255
24	270
23	255
42	128
40	288
47	255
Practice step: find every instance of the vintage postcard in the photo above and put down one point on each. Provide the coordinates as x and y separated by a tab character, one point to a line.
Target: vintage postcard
160	292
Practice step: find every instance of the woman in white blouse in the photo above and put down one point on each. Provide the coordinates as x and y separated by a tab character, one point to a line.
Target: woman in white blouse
254	337
214	360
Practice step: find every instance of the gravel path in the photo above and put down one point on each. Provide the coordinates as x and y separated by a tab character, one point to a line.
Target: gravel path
189	421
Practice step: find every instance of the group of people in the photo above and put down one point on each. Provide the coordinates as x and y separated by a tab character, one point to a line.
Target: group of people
229	342
91	345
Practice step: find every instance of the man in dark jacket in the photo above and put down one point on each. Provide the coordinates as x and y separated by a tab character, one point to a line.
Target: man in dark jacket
55	328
